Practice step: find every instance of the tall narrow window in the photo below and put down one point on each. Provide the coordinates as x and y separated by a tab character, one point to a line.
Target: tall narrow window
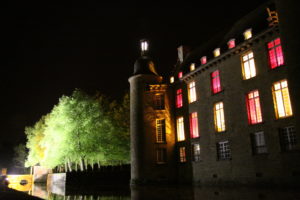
196	152
275	53
215	82
259	143
160	130
288	138
180	75
180	129
219	117
161	156
253	107
248	66
194	125
223	150
281	98
192	92
179	102
182	154
159	102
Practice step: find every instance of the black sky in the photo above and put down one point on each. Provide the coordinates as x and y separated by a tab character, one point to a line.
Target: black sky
48	50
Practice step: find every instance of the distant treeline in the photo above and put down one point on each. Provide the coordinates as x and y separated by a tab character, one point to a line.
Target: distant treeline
81	131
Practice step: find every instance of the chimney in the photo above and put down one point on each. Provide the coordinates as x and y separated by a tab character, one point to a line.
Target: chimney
182	52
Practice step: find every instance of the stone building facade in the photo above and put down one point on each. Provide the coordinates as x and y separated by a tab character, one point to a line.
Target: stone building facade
229	112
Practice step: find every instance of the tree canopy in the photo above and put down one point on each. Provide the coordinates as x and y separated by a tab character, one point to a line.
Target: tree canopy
81	130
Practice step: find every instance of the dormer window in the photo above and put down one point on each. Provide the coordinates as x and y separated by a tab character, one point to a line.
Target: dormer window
203	60
231	43
144	45
248	34
180	75
172	79
216	52
192	67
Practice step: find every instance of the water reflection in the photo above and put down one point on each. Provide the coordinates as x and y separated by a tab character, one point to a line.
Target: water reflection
160	192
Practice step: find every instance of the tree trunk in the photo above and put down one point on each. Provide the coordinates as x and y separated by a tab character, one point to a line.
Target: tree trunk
86	164
69	165
66	167
81	164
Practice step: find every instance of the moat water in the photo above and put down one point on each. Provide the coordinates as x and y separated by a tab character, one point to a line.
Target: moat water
163	193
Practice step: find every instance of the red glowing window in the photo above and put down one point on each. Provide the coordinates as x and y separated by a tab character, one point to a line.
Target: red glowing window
215	82
194	125
231	43
203	60
179	102
275	53
180	75
253	107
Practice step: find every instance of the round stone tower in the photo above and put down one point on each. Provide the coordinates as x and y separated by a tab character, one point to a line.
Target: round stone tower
144	75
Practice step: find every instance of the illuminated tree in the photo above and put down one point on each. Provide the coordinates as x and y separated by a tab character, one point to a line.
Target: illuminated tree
81	130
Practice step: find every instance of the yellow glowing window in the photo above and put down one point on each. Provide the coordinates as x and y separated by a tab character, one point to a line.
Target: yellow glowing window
192	92
219	117
172	79
192	67
216	52
248	34
282	103
180	129
248	66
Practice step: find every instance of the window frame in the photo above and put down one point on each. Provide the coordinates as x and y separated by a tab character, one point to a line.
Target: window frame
179	99
224	151
281	99
180	129
182	154
192	94
254	113
256	138
196	153
161	156
161	131
219	118
277	53
252	71
159	101
194	128
215	80
292	143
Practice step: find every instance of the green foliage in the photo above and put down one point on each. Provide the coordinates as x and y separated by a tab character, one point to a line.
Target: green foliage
81	129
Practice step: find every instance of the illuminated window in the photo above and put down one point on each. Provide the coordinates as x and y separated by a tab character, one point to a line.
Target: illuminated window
219	117
253	107
248	65
192	67
194	125
192	92
172	79
161	156
160	131
182	154
180	129
248	34
281	98
231	43
223	150
159	102
216	52
179	102
288	138
180	75
275	53
259	143
215	82
203	60
196	152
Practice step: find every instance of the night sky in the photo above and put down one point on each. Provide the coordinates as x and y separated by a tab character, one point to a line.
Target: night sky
48	50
